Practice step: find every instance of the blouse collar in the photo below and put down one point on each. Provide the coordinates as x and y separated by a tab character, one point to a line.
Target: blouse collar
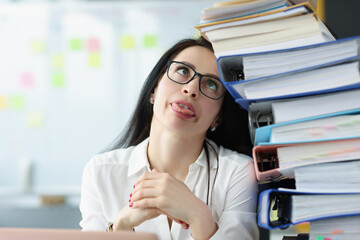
139	160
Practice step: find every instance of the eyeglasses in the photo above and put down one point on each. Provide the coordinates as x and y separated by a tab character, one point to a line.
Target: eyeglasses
182	73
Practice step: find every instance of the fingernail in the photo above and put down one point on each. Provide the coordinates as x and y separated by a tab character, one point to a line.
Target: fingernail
134	186
131	204
130	200
181	222
187	226
130	195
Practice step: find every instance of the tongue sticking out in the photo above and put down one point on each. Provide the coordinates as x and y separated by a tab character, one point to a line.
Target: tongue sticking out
183	109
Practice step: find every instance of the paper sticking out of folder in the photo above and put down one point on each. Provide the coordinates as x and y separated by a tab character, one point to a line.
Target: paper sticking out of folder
271	63
331	229
318	152
313	206
343	126
334	177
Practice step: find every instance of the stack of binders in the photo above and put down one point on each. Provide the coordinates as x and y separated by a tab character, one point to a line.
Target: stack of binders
303	101
237	27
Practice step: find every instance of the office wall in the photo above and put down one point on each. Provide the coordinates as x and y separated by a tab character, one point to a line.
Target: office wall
70	73
342	17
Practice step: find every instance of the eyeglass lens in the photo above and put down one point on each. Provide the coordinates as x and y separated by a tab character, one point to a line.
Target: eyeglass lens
209	86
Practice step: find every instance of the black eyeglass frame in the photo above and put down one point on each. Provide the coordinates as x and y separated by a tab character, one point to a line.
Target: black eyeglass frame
192	78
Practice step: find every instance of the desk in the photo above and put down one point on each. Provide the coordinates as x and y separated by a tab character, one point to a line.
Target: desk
26	210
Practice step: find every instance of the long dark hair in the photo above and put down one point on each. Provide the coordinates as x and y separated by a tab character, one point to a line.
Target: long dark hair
232	132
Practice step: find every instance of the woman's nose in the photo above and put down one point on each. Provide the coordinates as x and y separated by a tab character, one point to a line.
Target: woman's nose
192	88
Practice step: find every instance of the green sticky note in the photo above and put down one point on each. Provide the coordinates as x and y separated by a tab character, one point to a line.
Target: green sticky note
127	42
37	46
58	80
197	34
319	238
94	60
75	44
150	40
58	61
17	102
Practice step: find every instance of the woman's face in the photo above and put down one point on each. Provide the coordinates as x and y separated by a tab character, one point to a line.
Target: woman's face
183	108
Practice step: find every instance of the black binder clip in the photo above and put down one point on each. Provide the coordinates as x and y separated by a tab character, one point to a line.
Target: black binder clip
237	74
268	161
262	119
281	206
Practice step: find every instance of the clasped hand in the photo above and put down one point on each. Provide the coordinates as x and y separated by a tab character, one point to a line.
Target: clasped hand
158	193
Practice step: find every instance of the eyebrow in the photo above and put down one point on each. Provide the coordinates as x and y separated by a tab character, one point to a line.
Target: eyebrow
207	74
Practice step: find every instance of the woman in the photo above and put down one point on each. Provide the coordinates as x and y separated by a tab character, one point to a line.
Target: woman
173	172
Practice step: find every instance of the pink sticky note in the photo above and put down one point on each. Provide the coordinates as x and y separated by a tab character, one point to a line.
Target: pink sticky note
27	80
93	44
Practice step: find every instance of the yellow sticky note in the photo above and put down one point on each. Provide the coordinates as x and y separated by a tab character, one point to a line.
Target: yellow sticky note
37	47
75	44
58	79
35	120
150	40
58	61
3	102
17	102
94	59
302	227
127	42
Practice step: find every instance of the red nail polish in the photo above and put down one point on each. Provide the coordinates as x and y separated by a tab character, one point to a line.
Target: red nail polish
134	186
181	222
129	200
130	194
187	226
131	204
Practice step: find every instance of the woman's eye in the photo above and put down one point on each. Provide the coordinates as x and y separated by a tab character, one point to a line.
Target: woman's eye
212	84
183	71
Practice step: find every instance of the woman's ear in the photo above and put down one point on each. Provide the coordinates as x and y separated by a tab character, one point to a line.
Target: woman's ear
216	123
152	96
218	120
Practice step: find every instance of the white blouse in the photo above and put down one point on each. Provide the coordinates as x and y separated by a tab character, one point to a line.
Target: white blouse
108	180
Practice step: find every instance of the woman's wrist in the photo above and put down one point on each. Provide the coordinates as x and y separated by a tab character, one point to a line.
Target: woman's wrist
203	225
204	229
120	224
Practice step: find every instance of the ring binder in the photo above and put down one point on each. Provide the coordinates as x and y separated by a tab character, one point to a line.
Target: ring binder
263	135
268	167
278	208
227	64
